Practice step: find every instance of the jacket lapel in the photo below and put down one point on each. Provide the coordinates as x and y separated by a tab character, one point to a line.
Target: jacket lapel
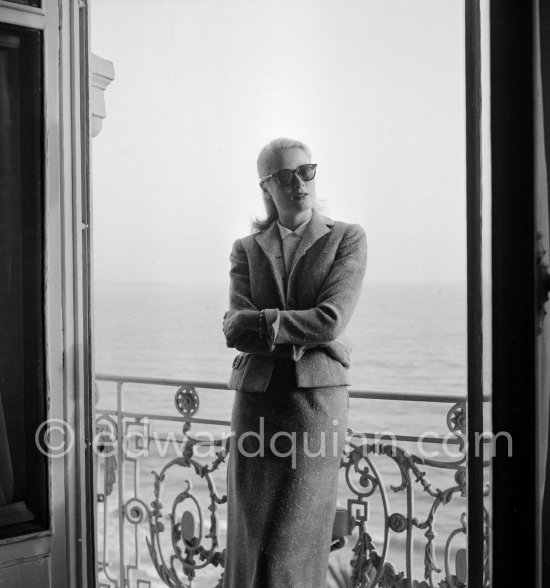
270	242
318	226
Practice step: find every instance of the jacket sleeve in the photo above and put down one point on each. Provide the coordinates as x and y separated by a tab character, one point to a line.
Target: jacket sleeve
335	303
241	299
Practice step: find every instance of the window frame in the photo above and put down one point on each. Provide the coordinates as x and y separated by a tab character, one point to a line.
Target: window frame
69	544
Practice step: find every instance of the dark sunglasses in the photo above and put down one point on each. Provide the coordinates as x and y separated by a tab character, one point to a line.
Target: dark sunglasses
305	172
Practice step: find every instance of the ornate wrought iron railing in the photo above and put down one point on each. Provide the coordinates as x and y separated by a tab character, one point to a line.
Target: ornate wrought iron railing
161	491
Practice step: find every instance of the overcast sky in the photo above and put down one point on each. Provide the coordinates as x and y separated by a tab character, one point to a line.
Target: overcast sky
375	88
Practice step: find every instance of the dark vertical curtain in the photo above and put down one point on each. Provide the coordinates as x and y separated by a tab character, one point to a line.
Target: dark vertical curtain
542	178
10	267
23	469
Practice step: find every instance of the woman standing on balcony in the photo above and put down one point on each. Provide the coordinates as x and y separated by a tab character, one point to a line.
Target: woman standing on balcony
294	285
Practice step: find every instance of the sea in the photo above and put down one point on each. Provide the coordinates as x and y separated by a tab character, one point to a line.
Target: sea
405	337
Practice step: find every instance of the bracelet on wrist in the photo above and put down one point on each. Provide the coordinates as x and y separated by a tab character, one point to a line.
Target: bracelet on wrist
262	324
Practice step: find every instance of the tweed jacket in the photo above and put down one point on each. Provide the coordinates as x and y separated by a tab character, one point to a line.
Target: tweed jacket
312	307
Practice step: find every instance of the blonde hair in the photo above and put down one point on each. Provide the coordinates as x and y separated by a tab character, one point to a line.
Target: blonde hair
265	160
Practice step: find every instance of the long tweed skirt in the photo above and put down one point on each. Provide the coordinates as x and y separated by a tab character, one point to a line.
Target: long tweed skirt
282	483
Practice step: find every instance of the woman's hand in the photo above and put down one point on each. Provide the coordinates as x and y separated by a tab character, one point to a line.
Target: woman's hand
236	322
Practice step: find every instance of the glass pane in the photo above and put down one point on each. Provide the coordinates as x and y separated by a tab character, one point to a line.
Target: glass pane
23	491
35	3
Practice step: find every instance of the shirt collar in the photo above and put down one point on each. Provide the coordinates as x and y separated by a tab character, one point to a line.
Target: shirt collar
298	231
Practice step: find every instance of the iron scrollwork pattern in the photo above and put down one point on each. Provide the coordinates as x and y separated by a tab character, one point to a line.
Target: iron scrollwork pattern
168	521
186	522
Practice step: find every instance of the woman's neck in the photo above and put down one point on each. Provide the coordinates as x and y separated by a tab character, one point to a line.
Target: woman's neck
291	221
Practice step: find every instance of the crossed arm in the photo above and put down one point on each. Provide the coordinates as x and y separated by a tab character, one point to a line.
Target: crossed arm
250	342
291	332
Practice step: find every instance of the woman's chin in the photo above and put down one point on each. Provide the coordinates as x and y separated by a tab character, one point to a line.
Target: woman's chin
302	203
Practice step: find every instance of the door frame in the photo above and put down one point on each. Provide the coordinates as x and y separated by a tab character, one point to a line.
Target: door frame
69	544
